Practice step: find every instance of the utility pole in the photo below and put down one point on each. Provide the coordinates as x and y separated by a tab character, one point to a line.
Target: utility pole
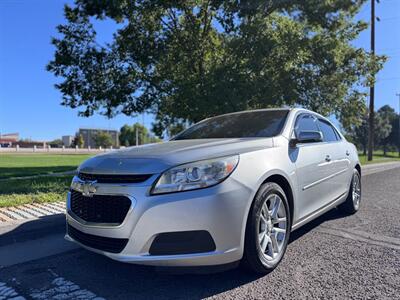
142	133
398	145
137	135
372	89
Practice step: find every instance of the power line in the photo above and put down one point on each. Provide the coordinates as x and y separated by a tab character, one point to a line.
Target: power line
389	78
389	19
389	51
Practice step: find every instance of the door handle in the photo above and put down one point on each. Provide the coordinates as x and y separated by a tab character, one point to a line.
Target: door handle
328	158
347	152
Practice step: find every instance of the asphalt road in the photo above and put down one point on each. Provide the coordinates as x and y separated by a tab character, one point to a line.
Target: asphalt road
335	256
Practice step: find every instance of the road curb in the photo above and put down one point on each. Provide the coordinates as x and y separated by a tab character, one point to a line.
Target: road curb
30	211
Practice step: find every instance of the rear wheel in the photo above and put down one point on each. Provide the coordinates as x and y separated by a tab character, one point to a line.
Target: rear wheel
352	203
268	229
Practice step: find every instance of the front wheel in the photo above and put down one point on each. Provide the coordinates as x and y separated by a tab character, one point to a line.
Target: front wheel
352	203
267	230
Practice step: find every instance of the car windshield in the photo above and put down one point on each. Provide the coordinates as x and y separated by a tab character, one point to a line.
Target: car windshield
262	123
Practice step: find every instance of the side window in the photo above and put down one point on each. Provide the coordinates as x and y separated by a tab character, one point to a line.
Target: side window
338	137
305	122
328	132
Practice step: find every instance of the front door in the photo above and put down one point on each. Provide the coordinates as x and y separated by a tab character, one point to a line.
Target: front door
312	168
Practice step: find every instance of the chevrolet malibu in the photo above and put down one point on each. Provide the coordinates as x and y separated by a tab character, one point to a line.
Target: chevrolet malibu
228	189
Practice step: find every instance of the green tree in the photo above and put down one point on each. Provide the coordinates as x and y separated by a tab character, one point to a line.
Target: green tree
78	141
57	143
127	136
359	133
176	128
103	139
395	134
188	60
382	130
389	116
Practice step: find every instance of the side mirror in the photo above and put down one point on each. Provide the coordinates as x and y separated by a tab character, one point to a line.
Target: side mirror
308	136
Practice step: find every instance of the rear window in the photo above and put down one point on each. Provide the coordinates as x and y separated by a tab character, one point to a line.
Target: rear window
328	132
263	123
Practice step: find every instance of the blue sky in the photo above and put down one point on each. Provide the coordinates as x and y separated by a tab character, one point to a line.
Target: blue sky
30	105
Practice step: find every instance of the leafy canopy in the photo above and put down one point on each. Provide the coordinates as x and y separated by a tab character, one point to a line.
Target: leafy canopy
184	60
385	119
103	139
392	125
128	134
78	141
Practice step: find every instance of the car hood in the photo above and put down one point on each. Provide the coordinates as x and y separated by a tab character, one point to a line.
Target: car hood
155	158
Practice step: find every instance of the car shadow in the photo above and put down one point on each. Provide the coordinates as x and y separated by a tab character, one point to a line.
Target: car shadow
331	215
115	280
31	230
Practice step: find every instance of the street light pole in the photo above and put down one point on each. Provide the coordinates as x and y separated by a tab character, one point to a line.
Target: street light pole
372	89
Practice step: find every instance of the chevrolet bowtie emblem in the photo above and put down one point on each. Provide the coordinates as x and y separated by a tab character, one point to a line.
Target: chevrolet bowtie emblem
88	188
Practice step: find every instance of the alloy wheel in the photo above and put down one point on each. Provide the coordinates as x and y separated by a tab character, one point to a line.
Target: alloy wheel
272	227
356	190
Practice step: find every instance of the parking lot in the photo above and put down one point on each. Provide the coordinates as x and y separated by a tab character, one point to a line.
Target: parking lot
335	256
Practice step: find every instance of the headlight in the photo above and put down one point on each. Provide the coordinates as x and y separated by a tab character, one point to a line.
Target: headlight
195	175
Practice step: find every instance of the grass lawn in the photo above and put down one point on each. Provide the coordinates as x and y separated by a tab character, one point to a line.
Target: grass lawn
378	157
15	165
15	192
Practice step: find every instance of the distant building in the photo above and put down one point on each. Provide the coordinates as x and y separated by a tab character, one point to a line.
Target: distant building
67	140
88	135
12	140
8	139
30	144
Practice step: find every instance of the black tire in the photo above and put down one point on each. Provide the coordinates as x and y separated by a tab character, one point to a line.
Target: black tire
253	257
351	206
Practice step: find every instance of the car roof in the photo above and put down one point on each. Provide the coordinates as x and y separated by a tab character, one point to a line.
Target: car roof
253	110
289	109
292	110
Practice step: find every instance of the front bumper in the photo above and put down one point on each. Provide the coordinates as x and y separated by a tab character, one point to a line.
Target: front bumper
220	210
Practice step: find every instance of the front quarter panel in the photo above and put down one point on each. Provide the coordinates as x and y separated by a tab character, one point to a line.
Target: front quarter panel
255	167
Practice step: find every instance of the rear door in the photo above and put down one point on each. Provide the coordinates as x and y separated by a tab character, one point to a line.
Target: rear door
338	165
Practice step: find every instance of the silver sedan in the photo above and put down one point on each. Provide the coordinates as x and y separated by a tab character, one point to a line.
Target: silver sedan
229	189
